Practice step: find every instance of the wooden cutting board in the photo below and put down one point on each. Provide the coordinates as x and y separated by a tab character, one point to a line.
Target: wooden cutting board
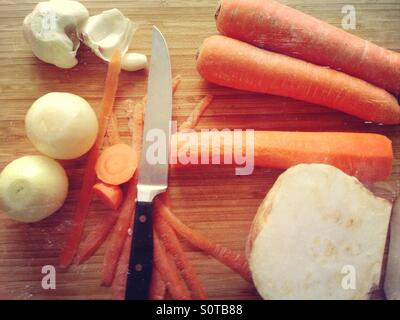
212	200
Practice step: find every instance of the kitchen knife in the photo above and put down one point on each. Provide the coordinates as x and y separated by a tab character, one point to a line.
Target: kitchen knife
392	276
153	167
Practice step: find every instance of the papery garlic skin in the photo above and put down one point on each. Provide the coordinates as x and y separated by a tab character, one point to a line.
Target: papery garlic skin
107	31
52	31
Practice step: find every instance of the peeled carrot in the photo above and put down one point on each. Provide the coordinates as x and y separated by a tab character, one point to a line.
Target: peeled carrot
235	261
367	156
157	287
94	240
171	243
116	164
236	64
72	242
274	26
169	272
110	195
193	119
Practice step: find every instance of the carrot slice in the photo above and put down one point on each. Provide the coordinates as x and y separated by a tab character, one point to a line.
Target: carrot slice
169	272
233	260
72	241
110	195
94	240
171	243
194	118
157	287
116	164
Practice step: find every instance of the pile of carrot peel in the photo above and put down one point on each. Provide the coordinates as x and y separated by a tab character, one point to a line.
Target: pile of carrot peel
173	272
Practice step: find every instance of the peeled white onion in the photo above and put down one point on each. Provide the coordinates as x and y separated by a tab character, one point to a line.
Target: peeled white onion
32	188
61	125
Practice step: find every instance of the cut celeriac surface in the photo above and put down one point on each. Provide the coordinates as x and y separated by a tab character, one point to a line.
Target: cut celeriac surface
315	230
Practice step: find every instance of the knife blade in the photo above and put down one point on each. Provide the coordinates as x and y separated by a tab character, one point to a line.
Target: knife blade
153	167
392	276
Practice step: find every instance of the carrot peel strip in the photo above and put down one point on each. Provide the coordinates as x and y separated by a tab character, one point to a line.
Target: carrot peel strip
73	237
171	243
169	272
231	259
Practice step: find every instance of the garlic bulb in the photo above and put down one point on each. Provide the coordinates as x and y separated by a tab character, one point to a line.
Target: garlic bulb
52	31
107	31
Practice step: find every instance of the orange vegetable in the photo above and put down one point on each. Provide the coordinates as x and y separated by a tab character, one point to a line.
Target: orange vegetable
116	164
119	235
175	83
71	244
94	240
192	121
171	243
274	26
366	156
113	131
119	283
110	195
169	272
239	65
157	287
125	219
235	261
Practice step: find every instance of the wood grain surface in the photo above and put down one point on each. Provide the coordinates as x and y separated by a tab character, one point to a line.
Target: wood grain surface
212	200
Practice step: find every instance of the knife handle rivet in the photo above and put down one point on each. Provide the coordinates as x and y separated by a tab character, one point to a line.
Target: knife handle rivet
142	218
138	267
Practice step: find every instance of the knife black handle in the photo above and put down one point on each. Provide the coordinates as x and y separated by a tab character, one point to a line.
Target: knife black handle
141	258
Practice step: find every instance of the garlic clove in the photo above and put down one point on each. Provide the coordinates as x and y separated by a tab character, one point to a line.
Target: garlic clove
133	61
107	31
52	31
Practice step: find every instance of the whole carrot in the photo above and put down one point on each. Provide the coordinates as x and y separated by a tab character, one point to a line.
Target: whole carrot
271	25
238	65
366	156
